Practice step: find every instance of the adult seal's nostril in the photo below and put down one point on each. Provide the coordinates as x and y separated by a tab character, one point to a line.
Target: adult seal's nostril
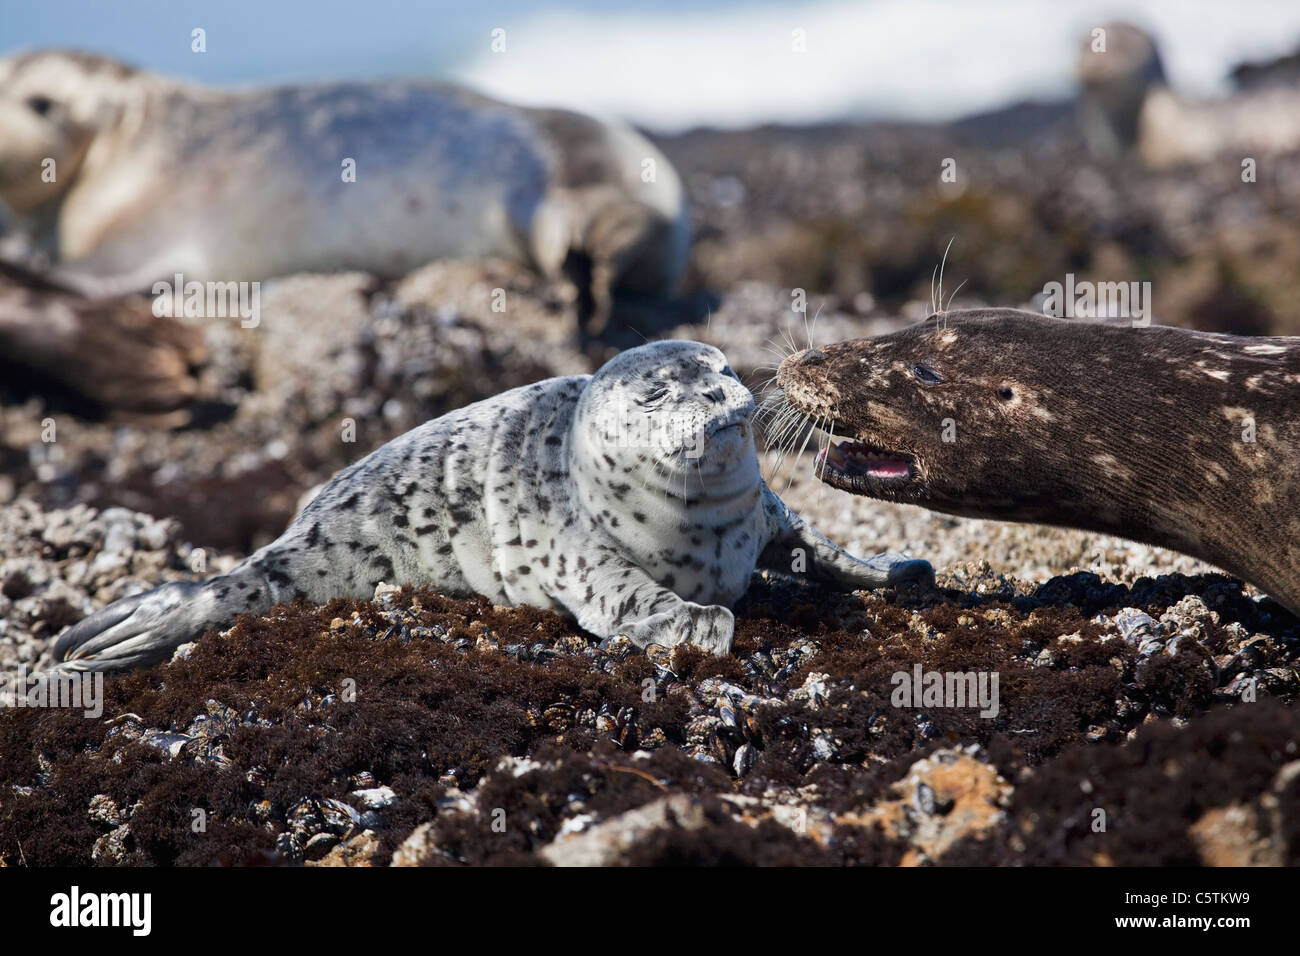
812	357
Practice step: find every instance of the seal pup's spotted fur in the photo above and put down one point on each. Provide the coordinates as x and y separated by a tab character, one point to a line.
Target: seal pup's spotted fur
630	499
1186	440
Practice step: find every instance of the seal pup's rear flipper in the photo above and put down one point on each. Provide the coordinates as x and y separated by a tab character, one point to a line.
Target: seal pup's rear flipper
827	561
145	628
132	632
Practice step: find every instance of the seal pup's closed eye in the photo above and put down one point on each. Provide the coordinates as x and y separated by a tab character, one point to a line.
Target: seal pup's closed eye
1186	440
630	499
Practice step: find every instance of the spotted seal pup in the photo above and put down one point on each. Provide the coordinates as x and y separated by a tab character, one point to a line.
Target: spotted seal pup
630	499
1186	440
155	177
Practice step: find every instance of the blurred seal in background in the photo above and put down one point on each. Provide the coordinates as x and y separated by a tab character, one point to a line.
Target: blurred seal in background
125	178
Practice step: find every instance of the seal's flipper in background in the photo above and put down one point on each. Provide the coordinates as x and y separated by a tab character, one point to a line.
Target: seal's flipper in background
113	351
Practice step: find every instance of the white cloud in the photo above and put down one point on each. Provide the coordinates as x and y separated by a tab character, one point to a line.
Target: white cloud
935	60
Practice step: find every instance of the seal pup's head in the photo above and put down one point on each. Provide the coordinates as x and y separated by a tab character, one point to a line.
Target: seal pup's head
672	419
52	104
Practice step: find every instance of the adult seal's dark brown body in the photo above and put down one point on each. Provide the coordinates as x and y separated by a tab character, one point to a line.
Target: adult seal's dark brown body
1186	440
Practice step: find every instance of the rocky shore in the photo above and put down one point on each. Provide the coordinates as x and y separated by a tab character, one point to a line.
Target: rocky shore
1146	705
418	729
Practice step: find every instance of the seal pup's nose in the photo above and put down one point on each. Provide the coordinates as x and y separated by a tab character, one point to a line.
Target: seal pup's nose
811	357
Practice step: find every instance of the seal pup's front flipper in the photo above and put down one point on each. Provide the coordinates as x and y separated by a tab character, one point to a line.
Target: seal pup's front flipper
616	597
829	562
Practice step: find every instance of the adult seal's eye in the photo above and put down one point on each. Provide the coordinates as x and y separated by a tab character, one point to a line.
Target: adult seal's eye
40	105
1005	393
926	375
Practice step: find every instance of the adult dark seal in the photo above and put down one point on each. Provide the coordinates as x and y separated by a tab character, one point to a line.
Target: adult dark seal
1181	439
630	499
